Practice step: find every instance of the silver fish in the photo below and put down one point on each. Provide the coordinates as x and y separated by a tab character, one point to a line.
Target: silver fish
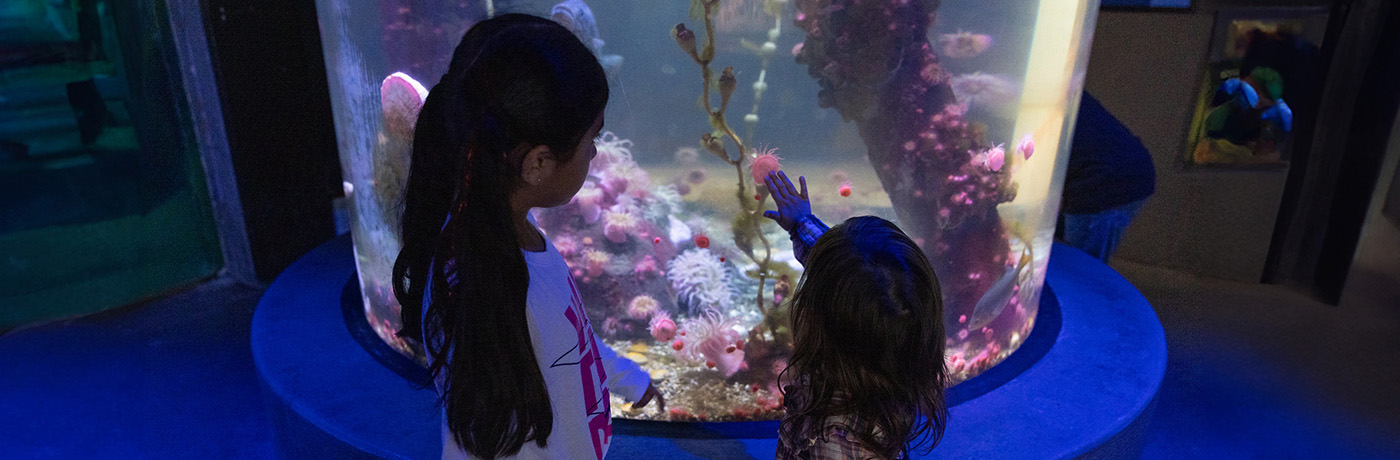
995	299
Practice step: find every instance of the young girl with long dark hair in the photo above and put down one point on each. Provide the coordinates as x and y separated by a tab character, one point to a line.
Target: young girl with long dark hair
509	128
867	320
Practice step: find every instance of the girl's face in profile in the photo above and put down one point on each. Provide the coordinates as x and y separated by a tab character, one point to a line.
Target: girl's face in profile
569	176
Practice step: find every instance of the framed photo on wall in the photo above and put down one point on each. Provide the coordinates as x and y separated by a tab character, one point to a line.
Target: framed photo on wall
1263	68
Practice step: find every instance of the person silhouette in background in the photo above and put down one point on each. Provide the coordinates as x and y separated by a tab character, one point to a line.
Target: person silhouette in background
1109	177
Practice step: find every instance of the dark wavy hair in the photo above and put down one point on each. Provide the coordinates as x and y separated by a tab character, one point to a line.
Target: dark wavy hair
867	325
515	82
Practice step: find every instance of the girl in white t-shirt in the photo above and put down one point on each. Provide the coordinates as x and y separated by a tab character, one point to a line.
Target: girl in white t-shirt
509	128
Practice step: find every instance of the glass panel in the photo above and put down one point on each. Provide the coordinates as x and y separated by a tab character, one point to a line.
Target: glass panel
947	117
102	197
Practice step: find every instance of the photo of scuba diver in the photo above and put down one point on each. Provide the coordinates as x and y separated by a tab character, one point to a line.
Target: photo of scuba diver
1263	73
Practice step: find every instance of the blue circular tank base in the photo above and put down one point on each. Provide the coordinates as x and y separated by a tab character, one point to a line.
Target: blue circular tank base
1081	386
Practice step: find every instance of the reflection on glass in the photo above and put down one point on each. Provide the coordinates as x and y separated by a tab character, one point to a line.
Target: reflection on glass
102	202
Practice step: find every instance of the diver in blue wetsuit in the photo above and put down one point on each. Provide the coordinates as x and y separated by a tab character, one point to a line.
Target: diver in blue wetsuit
1109	177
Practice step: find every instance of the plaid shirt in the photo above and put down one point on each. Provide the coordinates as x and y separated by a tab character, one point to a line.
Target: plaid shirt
804	234
839	438
838	442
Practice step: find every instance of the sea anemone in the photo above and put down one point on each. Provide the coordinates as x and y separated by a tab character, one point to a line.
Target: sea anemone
710	338
700	279
611	149
618	222
613	184
661	327
646	266
687	155
763	162
639	181
612	326
589	200
955	110
642	307
665	199
681	187
594	261
626	177
994	158
567	245
986	89
401	97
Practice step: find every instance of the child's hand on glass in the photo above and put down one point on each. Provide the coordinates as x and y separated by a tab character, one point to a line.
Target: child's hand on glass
792	206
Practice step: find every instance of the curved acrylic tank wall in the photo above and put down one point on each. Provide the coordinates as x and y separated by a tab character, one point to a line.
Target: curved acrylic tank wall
950	118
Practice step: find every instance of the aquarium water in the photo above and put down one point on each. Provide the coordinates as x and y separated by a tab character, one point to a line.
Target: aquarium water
948	117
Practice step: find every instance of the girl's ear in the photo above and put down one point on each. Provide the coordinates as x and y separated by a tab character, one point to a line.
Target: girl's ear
537	165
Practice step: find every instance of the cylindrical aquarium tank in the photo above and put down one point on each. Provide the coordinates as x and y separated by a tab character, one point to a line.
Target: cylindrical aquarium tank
950	118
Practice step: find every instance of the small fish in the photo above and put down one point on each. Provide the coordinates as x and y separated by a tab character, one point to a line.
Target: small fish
995	299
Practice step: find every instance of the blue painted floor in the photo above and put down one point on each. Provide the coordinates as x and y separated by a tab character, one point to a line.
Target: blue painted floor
1255	372
172	378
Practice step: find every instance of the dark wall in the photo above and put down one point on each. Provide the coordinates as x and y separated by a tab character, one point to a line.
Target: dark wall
1361	162
1392	200
277	113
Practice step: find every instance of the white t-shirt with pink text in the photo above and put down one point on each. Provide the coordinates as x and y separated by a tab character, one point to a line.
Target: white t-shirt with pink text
579	371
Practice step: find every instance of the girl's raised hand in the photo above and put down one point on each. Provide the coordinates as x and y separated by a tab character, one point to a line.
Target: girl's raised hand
792	205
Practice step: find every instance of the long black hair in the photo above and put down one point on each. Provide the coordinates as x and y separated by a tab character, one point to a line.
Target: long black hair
868	339
515	82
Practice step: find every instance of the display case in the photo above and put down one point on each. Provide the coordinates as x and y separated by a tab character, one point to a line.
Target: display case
951	118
